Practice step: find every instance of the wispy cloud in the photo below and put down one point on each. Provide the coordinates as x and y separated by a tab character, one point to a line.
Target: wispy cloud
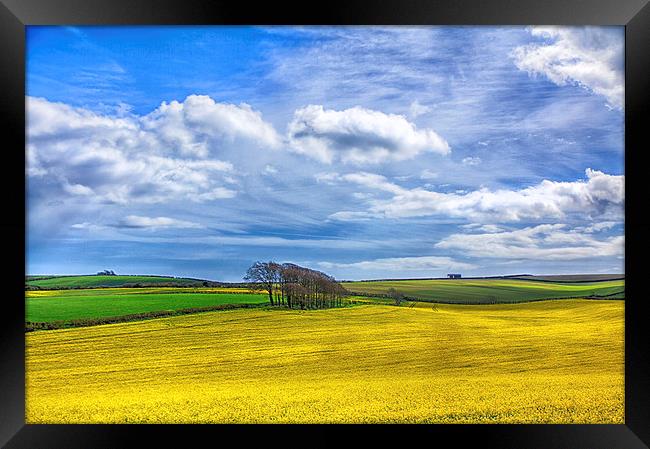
471	160
350	62
428	174
401	264
543	242
416	109
139	222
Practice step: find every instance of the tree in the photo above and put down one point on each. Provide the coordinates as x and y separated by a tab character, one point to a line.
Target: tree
295	286
264	276
396	296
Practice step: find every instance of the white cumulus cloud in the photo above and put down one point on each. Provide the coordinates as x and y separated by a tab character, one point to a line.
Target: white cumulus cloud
170	154
591	57
191	125
600	195
359	136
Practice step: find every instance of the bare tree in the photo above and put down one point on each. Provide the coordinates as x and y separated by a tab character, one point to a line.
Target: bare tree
295	286
264	276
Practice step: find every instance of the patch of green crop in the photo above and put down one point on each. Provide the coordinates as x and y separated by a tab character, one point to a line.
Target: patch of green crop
106	281
485	291
67	307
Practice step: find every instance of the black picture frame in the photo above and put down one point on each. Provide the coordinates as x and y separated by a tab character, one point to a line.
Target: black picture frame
633	14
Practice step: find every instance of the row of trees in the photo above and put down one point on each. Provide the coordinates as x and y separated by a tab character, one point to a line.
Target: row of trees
294	286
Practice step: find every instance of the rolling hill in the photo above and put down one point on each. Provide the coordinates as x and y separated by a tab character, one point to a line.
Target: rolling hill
487	291
98	281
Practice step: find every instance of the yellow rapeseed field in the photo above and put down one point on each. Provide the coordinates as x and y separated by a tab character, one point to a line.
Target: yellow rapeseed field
543	362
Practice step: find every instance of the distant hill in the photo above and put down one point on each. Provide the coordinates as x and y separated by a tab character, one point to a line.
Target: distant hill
490	290
571	277
528	277
98	281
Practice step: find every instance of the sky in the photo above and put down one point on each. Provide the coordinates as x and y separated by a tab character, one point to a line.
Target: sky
364	152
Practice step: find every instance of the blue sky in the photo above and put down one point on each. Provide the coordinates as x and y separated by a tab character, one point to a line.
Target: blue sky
365	152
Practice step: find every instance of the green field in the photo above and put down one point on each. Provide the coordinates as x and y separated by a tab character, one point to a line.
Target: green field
75	303
485	291
63	305
105	281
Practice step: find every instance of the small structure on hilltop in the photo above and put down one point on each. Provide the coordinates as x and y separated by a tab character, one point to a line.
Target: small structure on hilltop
454	276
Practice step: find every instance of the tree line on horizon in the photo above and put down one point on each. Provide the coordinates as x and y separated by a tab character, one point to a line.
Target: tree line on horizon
294	286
